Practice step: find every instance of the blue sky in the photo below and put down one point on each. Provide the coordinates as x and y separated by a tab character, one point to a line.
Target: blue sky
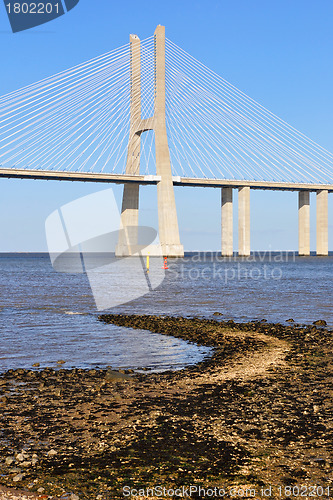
278	52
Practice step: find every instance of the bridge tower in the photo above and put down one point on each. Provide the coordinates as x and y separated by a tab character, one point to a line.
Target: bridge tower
167	214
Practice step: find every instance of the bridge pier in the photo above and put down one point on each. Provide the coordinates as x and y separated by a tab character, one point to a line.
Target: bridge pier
244	247
303	223
227	222
128	235
322	222
167	213
170	245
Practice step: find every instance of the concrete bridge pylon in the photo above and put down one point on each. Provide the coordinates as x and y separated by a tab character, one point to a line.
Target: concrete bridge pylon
169	245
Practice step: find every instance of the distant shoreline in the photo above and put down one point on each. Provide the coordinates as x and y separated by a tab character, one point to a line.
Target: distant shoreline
199	252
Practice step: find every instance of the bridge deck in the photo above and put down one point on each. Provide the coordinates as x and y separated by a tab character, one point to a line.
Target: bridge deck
154	179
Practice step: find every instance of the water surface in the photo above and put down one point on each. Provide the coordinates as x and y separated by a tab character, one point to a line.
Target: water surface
46	316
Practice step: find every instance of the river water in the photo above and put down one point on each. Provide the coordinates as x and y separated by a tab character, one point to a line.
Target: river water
46	316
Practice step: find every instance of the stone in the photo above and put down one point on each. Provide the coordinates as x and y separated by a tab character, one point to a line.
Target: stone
217	314
36	365
320	322
18	477
51	453
113	376
26	464
320	461
14	470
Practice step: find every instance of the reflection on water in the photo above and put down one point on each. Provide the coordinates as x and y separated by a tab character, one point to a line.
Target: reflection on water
46	316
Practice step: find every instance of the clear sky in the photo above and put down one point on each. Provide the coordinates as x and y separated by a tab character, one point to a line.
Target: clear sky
279	52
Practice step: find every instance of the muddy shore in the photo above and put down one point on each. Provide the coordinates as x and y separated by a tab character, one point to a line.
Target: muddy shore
258	413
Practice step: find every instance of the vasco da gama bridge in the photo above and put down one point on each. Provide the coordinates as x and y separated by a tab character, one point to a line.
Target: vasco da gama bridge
148	113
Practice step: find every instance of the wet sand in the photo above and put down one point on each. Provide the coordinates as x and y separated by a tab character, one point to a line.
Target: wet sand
257	413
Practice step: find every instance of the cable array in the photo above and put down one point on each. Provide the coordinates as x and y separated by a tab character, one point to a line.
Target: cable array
217	131
79	120
76	120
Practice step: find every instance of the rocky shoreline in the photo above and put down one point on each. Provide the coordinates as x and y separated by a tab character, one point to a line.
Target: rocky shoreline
258	413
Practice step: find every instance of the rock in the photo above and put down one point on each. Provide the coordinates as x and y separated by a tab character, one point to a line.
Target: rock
61	362
14	470
26	464
74	497
36	365
113	376
9	460
51	453
41	490
18	477
319	461
217	314
320	322
290	320
20	457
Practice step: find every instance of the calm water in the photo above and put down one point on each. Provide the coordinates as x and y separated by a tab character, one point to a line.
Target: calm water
47	315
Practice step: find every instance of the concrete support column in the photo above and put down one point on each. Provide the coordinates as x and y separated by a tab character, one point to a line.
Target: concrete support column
244	221
227	222
167	214
304	223
128	235
322	222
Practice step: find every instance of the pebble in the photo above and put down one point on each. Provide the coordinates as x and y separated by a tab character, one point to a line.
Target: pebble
320	322
6	494
18	477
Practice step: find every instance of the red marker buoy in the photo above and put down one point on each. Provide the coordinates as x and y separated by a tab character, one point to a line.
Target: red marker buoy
165	265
